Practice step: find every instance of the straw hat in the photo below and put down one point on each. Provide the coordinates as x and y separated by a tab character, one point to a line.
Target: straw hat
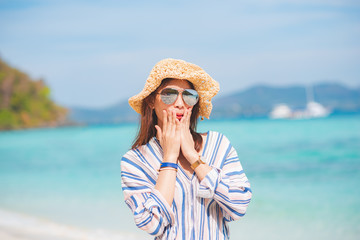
179	69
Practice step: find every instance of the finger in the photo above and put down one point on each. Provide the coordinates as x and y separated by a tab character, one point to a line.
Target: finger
178	130
177	122
173	126
174	117
189	117
165	121
169	125
183	121
178	127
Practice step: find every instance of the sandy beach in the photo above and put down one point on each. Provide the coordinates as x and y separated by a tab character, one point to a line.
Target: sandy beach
17	226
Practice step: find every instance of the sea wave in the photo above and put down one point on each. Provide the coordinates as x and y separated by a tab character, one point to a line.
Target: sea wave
18	226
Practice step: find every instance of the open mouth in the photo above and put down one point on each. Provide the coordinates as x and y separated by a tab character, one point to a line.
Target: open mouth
179	116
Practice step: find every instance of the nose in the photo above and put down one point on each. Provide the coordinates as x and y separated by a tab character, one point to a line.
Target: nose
179	103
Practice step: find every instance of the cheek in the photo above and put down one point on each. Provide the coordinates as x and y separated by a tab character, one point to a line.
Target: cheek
159	108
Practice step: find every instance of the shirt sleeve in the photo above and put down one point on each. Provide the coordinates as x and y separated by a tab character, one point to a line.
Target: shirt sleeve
151	211
228	186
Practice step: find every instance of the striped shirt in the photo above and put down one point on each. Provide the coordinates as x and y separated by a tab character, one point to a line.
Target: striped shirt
200	210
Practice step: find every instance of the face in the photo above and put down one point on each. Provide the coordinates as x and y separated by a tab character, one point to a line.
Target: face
178	106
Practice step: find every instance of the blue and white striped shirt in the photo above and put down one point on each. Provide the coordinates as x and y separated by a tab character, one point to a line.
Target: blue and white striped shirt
200	210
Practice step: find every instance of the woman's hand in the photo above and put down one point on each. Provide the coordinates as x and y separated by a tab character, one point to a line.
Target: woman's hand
169	136
187	143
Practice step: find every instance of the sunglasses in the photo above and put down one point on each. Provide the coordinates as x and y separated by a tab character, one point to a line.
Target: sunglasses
169	96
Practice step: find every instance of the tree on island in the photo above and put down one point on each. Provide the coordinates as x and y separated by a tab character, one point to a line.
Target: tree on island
26	103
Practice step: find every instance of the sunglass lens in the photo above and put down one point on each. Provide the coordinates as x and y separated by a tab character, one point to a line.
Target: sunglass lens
190	97
169	95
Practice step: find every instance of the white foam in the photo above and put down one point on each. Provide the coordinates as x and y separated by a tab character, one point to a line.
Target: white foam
17	226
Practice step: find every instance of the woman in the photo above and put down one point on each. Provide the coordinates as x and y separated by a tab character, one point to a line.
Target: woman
178	183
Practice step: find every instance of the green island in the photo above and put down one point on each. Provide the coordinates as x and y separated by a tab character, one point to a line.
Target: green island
26	103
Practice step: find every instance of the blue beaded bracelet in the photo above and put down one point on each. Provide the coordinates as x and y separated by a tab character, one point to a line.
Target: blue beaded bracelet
168	164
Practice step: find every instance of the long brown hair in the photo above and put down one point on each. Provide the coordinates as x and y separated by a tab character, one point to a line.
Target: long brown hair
148	120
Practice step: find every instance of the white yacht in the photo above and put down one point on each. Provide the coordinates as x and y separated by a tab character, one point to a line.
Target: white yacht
313	109
281	111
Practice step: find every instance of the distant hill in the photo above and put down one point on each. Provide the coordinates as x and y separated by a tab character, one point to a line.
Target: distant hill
256	101
26	103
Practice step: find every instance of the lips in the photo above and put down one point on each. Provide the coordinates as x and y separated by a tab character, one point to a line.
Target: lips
179	116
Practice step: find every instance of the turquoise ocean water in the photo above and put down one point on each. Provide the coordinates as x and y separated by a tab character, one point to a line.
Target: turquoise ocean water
305	176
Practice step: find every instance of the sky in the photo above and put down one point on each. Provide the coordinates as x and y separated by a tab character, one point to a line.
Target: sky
95	54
